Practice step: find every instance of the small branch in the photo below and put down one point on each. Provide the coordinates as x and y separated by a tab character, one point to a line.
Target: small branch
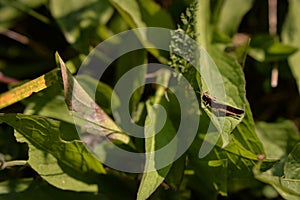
7	80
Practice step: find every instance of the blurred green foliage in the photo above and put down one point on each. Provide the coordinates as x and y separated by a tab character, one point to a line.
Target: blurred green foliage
258	154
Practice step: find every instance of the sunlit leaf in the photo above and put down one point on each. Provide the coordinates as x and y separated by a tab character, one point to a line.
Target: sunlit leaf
78	19
69	157
152	179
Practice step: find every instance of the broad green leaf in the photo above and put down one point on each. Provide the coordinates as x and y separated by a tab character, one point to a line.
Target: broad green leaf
40	189
290	35
238	168
152	179
79	19
226	82
278	138
53	171
12	186
45	135
287	188
231	15
240	159
292	165
25	90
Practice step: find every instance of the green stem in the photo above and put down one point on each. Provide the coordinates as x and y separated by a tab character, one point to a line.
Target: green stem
13	163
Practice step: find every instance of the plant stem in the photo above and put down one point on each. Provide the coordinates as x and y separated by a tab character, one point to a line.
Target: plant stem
13	163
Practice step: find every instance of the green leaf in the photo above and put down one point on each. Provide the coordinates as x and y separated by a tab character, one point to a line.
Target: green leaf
266	48
130	11
71	157
212	176
292	165
278	138
240	159
42	190
246	135
290	35
225	82
79	19
54	172
158	139
154	16
145	13
176	173
230	76
231	15
287	188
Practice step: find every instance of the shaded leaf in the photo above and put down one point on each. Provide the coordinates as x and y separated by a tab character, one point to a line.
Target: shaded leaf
246	135
290	35
42	190
212	176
